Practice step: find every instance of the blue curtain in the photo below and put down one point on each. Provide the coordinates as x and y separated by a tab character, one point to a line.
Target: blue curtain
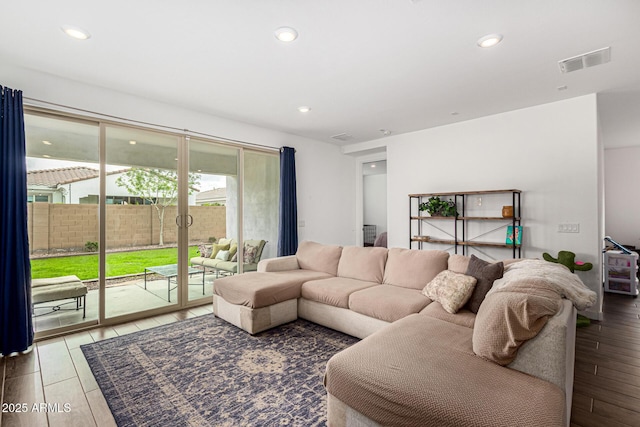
16	328
288	221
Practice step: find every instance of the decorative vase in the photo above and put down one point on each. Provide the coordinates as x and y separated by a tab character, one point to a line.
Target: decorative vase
507	211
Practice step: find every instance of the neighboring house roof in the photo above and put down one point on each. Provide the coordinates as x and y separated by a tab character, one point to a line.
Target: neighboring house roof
54	177
215	194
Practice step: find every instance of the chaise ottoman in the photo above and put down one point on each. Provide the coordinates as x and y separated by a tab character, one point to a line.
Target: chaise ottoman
258	301
59	288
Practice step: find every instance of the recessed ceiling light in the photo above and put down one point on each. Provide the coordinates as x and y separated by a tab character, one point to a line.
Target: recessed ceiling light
286	34
373	165
562	87
454	113
304	109
46	156
76	32
490	40
385	132
46	142
132	142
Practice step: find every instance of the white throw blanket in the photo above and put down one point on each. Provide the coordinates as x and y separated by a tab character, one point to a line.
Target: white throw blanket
553	276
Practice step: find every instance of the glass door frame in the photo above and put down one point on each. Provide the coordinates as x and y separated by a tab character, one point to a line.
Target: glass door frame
182	209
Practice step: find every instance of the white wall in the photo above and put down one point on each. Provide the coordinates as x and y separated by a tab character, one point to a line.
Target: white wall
326	183
375	201
550	152
622	181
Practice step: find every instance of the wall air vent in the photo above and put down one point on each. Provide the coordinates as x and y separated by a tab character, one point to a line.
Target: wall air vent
590	59
342	137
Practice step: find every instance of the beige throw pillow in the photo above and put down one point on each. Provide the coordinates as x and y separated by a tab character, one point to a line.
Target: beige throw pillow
451	290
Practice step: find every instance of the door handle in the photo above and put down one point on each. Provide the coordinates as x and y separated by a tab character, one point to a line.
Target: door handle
189	221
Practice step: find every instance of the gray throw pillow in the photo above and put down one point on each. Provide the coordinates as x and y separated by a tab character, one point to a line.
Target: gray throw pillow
485	272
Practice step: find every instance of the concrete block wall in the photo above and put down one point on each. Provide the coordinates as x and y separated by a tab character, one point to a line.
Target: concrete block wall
68	227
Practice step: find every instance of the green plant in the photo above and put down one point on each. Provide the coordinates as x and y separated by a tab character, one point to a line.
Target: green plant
435	206
91	246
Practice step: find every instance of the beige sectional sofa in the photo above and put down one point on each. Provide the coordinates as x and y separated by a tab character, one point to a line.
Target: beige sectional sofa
418	363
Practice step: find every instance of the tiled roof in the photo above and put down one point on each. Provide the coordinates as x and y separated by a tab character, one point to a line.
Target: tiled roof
216	192
53	177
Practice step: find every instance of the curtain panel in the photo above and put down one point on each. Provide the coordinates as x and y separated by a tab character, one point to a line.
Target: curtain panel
288	220
16	327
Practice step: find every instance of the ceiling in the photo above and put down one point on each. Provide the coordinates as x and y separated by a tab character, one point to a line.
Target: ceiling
361	65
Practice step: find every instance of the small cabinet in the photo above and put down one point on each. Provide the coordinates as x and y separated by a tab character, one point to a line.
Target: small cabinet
480	221
621	273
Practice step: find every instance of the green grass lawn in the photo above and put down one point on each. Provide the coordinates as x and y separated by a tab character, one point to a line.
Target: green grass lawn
118	263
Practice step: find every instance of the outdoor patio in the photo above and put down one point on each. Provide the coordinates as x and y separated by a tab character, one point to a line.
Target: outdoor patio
123	298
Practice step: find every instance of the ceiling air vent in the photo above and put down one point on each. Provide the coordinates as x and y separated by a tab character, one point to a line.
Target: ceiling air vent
342	137
590	59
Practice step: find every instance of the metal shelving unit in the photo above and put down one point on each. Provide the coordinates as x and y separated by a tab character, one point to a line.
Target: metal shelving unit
458	226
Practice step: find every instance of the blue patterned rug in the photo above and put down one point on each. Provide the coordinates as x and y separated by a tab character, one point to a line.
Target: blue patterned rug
206	372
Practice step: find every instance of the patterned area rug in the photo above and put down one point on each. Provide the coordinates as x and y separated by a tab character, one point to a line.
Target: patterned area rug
206	372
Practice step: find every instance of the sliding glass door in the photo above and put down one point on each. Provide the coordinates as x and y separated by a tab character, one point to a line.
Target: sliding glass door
63	184
261	178
212	224
141	202
144	220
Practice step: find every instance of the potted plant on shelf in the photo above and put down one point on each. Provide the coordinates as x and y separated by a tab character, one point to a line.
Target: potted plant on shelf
435	206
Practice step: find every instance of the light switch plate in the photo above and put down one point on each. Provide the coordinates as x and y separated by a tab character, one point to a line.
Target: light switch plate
569	228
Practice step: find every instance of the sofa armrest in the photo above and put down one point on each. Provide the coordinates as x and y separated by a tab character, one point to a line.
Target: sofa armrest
550	355
278	264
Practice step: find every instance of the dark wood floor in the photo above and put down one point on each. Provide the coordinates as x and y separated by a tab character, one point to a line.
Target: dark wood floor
606	386
606	389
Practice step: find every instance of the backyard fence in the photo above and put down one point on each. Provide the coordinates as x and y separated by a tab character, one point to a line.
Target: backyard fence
63	227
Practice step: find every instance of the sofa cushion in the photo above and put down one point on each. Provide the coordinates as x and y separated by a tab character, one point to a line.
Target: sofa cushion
411	268
420	371
450	289
257	290
363	263
204	250
507	319
232	266
458	263
463	317
250	253
217	247
333	291
318	257
485	272
258	244
388	303
233	249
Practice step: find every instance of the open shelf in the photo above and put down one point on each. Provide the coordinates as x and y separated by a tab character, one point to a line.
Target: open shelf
458	226
428	239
